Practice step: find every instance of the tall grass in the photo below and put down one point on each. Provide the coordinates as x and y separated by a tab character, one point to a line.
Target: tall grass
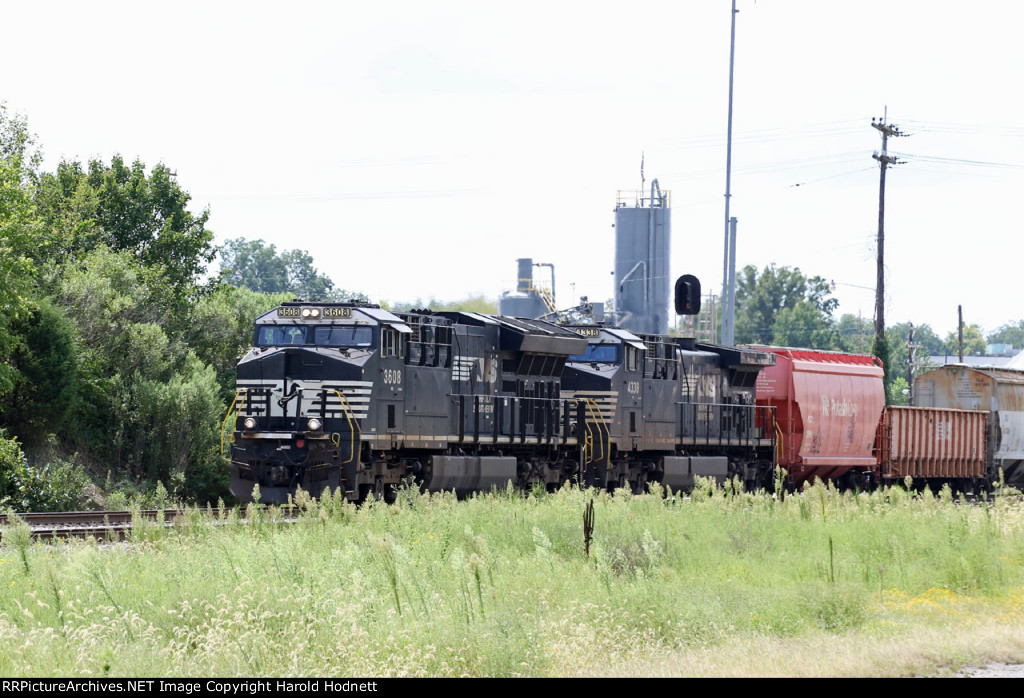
501	585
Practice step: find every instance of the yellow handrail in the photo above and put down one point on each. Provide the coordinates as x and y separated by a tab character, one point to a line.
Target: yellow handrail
352	424
600	417
223	424
588	437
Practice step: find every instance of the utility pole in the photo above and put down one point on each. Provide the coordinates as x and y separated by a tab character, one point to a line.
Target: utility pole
884	160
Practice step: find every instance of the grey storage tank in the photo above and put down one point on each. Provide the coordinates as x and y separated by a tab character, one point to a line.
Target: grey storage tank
526	300
642	238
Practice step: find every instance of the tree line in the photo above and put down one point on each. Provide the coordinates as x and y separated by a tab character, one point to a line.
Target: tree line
782	306
118	349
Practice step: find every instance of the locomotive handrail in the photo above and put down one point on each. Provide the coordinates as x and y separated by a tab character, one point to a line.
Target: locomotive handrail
547	417
223	424
353	424
700	419
599	422
587	436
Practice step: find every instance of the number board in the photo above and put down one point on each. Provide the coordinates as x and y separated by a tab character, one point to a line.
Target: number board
588	331
289	311
337	312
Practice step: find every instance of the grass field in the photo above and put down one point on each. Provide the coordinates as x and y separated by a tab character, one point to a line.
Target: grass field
714	584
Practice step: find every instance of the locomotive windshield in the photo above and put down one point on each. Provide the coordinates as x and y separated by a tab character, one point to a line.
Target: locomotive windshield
321	336
598	353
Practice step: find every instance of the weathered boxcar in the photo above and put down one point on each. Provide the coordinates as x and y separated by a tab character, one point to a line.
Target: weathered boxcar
1000	391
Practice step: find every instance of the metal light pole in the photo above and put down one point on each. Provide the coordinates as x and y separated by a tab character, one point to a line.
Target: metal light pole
728	295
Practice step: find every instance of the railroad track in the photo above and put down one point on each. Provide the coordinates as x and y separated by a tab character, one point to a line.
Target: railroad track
104	524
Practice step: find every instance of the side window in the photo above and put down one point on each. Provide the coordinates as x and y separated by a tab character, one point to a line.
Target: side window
632	358
390	343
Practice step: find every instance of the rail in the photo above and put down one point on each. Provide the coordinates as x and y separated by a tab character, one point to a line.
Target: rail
114	524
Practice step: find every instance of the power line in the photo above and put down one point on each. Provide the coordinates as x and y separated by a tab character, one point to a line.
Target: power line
959	161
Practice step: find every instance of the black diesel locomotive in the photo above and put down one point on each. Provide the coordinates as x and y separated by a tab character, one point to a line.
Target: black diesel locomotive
671	409
350	396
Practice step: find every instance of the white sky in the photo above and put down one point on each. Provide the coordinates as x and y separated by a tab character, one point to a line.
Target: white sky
416	149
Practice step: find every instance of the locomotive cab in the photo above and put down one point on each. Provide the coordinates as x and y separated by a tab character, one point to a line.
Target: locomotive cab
304	396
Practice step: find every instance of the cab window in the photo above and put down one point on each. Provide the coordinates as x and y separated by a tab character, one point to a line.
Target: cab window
598	353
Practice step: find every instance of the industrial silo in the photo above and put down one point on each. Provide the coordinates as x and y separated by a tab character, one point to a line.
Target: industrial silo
527	300
642	236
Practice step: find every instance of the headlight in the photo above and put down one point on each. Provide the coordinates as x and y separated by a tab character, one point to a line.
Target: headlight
249	423
314	425
306	312
315	312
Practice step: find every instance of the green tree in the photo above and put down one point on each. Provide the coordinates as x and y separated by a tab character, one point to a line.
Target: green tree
897	337
257	266
45	392
761	297
303	278
221	328
855	334
121	207
931	343
1010	333
151	406
18	235
58	485
254	265
804	325
974	341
